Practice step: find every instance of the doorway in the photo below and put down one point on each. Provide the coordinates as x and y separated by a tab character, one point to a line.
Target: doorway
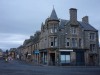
52	58
80	58
91	60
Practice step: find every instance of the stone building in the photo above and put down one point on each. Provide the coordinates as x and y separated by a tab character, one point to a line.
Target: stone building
82	39
11	52
1	53
68	42
29	51
63	42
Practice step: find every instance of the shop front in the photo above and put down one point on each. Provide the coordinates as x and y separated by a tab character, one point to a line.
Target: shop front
36	56
65	57
43	57
80	57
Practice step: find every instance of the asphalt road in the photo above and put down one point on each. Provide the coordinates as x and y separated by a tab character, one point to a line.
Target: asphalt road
16	67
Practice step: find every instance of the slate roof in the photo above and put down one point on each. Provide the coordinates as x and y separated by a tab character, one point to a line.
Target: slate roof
62	23
85	26
53	15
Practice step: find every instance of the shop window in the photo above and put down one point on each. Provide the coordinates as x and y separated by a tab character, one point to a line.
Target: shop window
65	58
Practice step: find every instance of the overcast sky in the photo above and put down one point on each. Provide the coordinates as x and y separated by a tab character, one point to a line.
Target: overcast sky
21	18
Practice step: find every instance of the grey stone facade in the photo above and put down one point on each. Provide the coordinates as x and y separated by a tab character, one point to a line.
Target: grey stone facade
77	41
65	42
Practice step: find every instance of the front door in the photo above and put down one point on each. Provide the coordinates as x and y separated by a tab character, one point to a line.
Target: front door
80	58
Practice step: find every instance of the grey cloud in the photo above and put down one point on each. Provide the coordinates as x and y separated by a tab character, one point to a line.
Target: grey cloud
11	40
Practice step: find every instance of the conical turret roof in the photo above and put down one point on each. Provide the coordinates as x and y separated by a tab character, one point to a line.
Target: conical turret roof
53	15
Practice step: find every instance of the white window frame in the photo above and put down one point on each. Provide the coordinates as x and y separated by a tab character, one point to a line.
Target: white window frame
92	36
55	41
67	41
65	58
74	30
51	30
51	42
55	29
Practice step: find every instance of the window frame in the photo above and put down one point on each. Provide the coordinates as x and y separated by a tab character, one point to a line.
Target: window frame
74	42
92	36
73	30
51	42
68	42
55	41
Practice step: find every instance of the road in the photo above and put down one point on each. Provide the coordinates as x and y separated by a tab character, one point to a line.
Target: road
16	67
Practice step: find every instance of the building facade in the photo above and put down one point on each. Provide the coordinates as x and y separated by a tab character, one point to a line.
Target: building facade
1	53
64	42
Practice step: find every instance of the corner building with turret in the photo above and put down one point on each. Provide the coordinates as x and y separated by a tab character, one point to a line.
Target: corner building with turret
62	42
68	42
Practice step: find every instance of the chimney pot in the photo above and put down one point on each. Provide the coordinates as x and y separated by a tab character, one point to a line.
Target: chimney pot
85	19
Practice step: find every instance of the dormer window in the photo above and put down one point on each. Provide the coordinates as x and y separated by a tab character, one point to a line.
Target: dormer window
74	30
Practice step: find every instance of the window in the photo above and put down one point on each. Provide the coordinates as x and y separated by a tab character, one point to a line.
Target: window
74	42
80	42
65	58
51	30
68	42
92	47
92	36
55	41
55	29
51	41
74	30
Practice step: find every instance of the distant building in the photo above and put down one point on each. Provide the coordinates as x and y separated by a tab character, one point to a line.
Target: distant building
64	42
11	52
1	53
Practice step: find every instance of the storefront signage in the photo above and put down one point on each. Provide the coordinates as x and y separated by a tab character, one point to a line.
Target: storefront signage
36	51
66	50
29	54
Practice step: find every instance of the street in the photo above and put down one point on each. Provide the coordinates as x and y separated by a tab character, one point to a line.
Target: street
16	67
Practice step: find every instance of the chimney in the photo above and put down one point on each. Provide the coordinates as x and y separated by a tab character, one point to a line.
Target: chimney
85	19
73	15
